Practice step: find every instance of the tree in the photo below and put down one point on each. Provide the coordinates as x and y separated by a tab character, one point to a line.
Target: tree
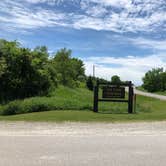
152	81
23	73
77	69
115	79
69	69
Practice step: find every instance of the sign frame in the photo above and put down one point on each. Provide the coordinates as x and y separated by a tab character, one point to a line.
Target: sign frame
129	85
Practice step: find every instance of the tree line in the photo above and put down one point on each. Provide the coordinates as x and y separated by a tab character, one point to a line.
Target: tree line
25	72
153	81
28	72
91	81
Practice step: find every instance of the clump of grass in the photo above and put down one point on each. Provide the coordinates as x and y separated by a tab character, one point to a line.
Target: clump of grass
25	106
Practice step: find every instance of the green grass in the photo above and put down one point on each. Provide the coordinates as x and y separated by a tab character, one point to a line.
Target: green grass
86	116
62	98
65	104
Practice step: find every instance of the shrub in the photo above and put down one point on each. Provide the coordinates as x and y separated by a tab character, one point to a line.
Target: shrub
89	83
24	72
12	108
61	99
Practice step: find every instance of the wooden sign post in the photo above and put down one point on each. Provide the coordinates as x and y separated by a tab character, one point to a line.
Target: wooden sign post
114	93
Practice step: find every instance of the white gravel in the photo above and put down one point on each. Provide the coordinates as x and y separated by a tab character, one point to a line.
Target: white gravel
161	97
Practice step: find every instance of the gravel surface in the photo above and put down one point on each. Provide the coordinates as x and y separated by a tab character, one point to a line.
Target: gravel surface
82	144
161	97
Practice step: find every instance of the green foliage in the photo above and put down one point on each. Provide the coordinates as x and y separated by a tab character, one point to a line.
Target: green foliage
70	70
62	98
11	109
102	80
115	79
24	73
27	73
155	80
25	106
163	81
90	83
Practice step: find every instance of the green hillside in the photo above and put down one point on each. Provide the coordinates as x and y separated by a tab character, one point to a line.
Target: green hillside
66	104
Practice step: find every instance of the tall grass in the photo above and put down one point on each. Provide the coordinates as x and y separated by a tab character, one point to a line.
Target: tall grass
63	98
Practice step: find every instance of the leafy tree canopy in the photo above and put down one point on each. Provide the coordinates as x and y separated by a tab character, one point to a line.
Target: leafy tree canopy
70	70
25	72
155	80
115	79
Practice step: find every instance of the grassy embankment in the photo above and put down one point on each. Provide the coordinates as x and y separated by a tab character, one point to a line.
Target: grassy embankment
66	104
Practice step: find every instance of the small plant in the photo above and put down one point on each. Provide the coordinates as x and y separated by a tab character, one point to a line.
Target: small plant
11	109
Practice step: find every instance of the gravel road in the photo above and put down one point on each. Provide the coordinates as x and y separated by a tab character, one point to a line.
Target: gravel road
82	144
161	97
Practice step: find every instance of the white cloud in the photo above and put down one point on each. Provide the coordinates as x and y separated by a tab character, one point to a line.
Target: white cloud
45	1
128	68
116	3
23	18
131	16
149	43
96	11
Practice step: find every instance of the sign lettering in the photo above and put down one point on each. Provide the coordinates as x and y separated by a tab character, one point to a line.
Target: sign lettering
113	92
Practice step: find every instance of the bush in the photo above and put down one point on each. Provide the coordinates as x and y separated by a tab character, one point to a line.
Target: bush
89	83
26	106
12	108
24	72
62	98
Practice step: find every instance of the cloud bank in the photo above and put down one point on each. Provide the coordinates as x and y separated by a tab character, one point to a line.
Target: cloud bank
111	15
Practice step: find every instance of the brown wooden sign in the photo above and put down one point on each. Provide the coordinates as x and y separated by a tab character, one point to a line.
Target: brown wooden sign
113	92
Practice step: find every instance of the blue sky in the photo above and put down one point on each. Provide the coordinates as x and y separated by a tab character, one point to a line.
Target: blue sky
123	37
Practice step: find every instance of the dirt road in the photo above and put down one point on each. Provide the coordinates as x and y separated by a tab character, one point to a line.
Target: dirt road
83	144
161	97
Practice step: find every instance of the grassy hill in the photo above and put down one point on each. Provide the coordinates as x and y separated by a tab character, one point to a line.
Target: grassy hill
66	104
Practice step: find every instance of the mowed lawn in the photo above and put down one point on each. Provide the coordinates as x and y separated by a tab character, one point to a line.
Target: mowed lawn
78	104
